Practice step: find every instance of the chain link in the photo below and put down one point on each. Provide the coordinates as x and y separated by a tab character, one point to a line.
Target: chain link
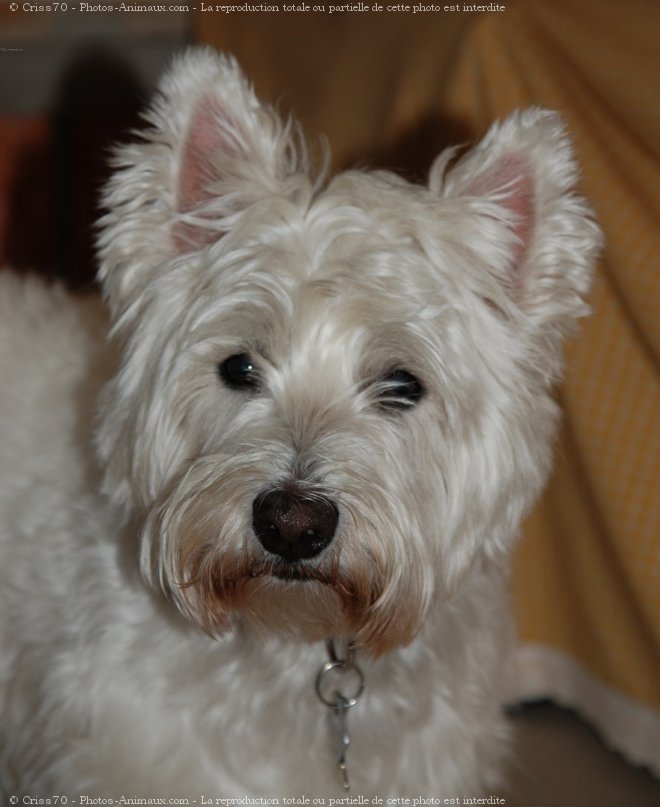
342	666
337	701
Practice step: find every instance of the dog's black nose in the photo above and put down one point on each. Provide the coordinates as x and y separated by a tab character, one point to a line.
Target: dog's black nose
293	525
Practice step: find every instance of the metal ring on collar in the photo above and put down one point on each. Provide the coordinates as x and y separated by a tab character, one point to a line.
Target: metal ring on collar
342	666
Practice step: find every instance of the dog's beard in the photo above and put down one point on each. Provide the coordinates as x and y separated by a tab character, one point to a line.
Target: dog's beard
305	601
200	551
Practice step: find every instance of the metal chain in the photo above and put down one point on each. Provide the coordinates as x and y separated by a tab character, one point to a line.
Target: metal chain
339	701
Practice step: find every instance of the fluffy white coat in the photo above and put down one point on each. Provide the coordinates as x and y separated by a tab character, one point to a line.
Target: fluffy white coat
149	645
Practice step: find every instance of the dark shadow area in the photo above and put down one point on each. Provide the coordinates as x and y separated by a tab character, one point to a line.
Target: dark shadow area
54	199
412	154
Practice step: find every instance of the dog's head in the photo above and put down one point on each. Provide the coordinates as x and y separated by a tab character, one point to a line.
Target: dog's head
333	395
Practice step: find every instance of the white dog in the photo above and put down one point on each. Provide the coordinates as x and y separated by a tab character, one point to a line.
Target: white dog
329	408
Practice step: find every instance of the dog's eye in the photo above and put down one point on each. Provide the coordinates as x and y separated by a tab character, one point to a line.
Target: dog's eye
239	372
400	390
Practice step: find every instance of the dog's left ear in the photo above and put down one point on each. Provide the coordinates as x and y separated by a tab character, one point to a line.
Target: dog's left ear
211	150
529	228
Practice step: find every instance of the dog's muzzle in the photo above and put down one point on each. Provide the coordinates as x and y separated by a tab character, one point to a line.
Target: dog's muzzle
293	525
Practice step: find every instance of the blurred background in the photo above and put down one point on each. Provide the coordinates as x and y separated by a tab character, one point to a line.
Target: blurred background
391	89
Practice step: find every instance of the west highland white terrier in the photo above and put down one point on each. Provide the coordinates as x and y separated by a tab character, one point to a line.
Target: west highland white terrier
287	526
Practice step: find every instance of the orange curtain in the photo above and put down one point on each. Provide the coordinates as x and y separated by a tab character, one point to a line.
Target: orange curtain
587	577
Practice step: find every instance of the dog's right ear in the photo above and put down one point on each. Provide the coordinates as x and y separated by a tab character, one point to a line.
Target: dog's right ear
211	150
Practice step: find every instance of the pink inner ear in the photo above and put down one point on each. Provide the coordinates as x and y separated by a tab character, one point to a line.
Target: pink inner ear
207	137
512	176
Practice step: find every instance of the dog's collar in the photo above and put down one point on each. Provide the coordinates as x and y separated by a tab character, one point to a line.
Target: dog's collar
339	686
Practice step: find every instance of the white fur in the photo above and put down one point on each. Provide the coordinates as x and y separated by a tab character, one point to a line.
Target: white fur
219	239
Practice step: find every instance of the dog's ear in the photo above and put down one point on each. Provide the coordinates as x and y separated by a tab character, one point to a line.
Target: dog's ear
529	228
211	150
